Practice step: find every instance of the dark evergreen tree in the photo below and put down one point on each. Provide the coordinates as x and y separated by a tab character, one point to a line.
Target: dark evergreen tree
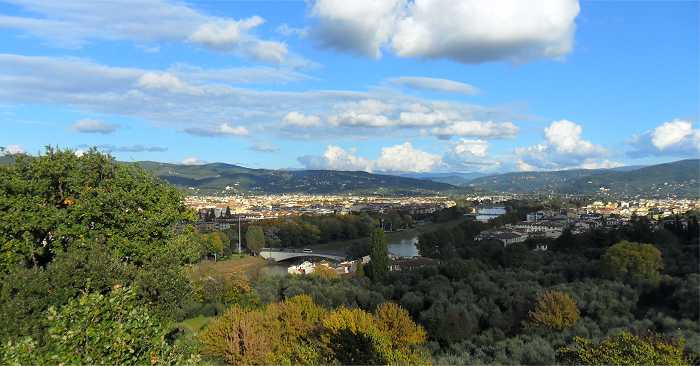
379	255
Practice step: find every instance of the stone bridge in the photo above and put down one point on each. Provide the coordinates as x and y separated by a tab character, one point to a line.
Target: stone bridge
281	254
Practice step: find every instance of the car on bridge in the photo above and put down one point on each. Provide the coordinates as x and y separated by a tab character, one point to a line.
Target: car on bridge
307	250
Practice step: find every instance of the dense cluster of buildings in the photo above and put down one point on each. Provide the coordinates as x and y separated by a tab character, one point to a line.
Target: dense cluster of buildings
541	224
653	208
276	206
550	224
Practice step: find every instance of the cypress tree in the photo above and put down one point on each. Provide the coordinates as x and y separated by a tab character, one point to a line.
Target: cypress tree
379	255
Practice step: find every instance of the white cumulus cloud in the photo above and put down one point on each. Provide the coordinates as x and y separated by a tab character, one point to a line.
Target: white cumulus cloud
469	154
677	137
565	137
563	148
671	133
469	31
406	158
399	158
359	26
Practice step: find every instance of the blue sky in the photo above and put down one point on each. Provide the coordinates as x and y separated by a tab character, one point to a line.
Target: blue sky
390	86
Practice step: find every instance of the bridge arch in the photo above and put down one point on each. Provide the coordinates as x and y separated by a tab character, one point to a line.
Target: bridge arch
281	255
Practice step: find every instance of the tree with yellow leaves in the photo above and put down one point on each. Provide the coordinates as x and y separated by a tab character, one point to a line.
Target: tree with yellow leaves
555	310
298	331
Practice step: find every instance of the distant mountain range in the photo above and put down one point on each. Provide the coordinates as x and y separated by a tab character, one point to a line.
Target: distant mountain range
218	176
456	179
679	178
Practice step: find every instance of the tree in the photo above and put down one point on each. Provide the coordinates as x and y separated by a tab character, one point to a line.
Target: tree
255	239
687	297
298	331
27	293
59	200
624	349
379	255
281	333
239	337
397	323
215	243
355	338
633	263
101	329
555	310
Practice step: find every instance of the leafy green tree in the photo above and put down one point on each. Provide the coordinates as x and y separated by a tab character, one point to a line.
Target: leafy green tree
100	329
27	293
164	283
379	255
215	243
255	239
59	200
555	310
624	349
687	297
633	263
187	248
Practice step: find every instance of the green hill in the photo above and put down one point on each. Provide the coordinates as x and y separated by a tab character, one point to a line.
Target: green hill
680	178
211	178
524	182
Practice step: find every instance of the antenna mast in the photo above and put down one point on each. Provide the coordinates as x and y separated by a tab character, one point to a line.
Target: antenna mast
239	233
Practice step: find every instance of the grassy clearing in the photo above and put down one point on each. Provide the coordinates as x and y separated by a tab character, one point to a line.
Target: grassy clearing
246	266
194	325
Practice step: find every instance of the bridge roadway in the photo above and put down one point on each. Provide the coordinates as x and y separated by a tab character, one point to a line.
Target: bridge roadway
284	254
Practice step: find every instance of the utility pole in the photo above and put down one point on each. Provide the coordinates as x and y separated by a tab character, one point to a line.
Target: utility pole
239	233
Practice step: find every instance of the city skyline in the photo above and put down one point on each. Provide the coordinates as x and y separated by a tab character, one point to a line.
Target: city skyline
552	85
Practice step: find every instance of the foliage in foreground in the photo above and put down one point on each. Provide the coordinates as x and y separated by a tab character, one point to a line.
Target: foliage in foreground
624	349
99	329
298	331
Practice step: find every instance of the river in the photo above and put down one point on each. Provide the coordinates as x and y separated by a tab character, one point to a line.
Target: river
404	247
